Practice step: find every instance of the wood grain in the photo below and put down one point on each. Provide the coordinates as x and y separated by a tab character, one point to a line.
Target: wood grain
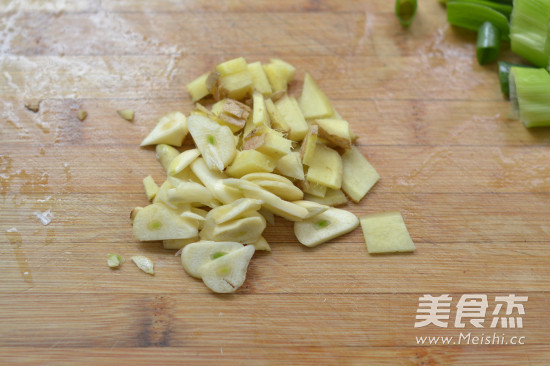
472	185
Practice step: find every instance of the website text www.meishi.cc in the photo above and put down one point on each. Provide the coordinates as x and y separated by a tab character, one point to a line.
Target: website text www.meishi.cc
471	339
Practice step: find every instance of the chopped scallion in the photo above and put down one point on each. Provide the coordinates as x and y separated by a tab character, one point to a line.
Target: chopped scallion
529	96
505	9
488	43
529	31
504	75
405	10
472	16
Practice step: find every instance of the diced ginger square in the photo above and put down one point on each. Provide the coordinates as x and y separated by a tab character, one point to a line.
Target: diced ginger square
386	233
259	79
313	101
198	88
232	66
250	161
359	176
326	167
279	73
293	117
235	86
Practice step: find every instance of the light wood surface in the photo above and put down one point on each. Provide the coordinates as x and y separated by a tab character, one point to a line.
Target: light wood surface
473	187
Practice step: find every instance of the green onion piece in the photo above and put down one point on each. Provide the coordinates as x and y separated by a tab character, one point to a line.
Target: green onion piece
504	75
529	31
472	16
529	96
488	43
405	10
505	9
494	2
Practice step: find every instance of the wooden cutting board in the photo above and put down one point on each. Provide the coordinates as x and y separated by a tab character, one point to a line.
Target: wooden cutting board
473	188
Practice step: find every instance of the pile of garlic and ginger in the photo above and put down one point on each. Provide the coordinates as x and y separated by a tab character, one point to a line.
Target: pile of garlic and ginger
258	152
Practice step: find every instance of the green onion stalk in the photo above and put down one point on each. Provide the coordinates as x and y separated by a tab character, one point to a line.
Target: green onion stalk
530	96
529	31
472	15
503	8
405	11
488	43
504	75
501	2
